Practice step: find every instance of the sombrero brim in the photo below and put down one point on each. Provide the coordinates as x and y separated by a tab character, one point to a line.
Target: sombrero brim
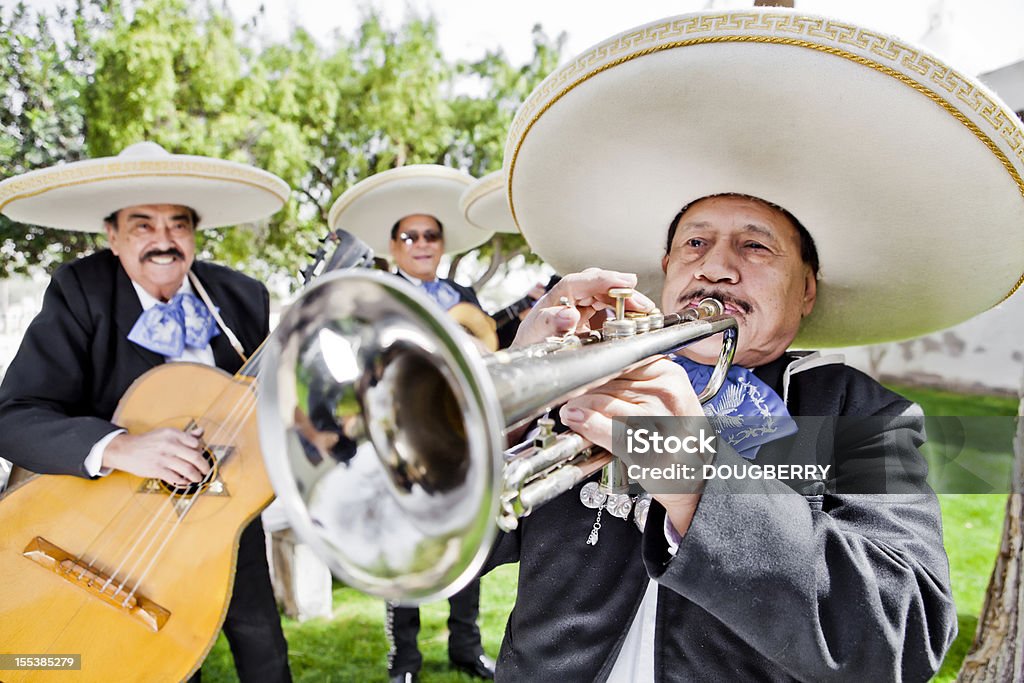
79	195
369	208
485	204
907	173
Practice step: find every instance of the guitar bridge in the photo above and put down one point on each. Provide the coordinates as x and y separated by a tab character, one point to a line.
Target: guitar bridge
66	566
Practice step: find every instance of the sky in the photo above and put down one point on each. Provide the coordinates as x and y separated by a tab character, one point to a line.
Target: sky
975	36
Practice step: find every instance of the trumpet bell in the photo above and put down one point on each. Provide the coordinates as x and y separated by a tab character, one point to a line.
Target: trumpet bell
378	432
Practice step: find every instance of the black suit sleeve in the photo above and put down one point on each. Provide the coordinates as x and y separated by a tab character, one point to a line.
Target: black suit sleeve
504	551
828	587
45	405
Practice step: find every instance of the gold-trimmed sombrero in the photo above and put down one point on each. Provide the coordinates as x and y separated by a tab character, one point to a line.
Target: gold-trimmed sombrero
907	173
369	208
485	204
79	195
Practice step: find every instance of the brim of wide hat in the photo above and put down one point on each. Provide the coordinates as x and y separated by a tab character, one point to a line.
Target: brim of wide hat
485	204
79	195
369	208
907	173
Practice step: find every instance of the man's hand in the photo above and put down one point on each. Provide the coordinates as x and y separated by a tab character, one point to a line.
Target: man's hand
166	453
535	293
587	297
658	388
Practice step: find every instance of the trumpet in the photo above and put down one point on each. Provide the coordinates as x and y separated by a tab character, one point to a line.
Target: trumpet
383	428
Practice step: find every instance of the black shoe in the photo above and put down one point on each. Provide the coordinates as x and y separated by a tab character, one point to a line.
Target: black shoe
481	667
405	678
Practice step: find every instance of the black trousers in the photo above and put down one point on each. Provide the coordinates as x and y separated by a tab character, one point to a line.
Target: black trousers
403	625
252	624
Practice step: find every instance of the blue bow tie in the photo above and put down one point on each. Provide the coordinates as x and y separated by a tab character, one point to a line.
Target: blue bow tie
746	412
443	293
168	328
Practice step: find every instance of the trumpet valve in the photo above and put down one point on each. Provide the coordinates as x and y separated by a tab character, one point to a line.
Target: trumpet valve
642	320
657	319
619	329
622	326
620	294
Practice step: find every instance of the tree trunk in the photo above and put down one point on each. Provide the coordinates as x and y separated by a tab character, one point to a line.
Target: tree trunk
998	650
497	259
453	267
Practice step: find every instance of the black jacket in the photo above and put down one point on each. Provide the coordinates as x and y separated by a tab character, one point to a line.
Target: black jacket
75	361
465	293
781	585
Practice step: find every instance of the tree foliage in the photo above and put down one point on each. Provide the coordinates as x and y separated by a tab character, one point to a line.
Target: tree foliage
44	66
101	75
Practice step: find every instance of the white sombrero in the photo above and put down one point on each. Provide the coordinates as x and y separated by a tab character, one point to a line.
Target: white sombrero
907	173
485	204
369	208
79	195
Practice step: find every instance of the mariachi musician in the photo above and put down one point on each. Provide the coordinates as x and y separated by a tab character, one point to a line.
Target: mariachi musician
412	213
108	318
709	158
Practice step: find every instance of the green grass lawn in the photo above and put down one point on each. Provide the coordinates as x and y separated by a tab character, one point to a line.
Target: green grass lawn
972	524
351	645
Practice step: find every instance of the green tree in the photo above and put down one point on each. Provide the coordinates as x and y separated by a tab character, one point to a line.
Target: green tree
173	75
354	109
321	117
44	62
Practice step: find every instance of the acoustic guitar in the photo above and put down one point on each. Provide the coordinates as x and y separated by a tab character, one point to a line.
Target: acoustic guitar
130	574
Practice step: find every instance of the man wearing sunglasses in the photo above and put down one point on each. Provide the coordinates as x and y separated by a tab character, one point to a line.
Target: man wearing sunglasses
416	246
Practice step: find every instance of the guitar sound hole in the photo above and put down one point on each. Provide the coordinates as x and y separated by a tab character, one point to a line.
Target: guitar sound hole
197	487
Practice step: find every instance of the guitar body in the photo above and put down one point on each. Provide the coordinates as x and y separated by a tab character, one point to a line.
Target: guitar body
179	606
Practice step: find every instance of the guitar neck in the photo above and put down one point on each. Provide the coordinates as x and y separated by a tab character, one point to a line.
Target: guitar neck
511	312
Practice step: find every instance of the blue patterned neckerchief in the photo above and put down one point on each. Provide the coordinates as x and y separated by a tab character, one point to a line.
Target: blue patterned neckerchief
443	293
169	328
746	412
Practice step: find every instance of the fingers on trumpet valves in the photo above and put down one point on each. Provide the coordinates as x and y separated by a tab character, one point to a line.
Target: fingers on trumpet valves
590	288
559	320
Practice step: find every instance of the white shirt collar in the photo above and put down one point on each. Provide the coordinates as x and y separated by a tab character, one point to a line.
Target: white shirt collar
148	301
415	280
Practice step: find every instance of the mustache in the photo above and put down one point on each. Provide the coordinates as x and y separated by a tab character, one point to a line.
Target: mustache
154	253
703	293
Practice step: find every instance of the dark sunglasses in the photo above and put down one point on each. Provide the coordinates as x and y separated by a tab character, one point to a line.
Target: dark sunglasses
411	237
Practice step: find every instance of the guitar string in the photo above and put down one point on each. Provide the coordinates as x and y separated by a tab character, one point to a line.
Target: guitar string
160	514
248	404
105	534
175	510
143	527
174	499
170	506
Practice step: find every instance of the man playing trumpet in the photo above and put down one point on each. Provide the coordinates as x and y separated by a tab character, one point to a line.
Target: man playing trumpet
839	578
